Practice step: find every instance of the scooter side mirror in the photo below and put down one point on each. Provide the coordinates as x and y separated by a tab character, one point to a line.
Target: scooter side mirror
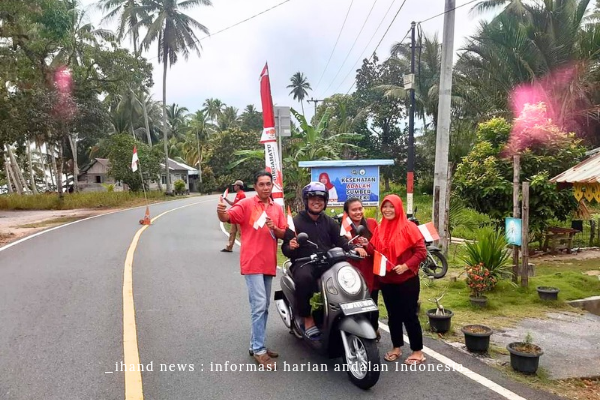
360	230
302	238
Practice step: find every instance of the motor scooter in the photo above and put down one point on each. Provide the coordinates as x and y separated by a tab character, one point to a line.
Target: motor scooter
346	330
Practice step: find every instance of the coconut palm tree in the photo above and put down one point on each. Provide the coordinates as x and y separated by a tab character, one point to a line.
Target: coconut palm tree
299	88
214	109
229	119
173	31
128	13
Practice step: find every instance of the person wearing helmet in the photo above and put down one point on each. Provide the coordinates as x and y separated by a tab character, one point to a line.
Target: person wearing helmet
238	187
325	233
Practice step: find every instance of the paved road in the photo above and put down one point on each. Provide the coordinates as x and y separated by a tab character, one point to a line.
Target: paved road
61	329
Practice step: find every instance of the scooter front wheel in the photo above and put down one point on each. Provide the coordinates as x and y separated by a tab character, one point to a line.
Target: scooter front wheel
362	364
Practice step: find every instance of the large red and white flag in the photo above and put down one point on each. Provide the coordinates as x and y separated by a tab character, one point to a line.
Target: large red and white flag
380	264
269	137
430	234
346	227
290	220
134	160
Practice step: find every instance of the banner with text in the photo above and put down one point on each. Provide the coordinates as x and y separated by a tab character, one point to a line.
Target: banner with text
346	182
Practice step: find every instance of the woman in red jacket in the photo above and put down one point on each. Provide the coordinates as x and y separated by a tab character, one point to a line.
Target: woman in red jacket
354	208
401	242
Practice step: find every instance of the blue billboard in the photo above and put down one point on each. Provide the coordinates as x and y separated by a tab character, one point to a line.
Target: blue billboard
346	182
513	231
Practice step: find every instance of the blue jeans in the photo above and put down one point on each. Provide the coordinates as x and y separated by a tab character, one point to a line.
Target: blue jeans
259	294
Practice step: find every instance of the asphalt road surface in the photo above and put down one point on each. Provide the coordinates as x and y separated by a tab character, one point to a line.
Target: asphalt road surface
61	322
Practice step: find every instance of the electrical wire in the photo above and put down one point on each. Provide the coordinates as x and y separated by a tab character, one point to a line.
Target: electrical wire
351	48
335	45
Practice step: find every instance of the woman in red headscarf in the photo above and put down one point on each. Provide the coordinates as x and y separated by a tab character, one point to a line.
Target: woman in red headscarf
401	242
324	179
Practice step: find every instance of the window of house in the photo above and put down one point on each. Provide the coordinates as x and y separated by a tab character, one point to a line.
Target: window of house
164	179
98	179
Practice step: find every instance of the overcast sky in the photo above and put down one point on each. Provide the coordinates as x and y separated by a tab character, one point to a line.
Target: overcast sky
297	36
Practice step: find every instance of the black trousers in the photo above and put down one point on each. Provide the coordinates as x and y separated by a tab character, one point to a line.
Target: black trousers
374	317
306	285
401	304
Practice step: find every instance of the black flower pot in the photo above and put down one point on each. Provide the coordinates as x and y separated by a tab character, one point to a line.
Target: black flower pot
480	301
548	293
524	361
477	337
439	323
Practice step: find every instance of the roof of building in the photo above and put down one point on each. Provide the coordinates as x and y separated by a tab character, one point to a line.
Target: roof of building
587	171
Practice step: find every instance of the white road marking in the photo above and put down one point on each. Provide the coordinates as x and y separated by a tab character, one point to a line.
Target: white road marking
463	370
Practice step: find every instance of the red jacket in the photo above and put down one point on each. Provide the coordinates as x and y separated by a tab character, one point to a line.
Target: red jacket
412	258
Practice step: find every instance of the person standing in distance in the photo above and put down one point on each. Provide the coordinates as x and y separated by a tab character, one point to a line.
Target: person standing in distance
261	223
238	187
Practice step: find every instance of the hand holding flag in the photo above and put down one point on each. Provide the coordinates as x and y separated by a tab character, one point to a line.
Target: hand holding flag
381	264
346	228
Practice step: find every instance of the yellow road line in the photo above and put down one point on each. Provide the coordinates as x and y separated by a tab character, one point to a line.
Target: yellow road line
131	354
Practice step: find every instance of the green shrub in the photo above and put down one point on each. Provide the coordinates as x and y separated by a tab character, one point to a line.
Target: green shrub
179	186
489	249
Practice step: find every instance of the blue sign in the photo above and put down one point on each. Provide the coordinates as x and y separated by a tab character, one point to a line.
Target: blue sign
346	182
513	231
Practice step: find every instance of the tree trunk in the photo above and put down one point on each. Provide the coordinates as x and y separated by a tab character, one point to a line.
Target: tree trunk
11	169
7	172
59	170
31	175
18	175
73	143
164	118
54	168
148	137
43	161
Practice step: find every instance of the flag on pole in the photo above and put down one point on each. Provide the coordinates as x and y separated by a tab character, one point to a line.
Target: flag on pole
380	264
290	220
346	227
269	137
134	160
429	232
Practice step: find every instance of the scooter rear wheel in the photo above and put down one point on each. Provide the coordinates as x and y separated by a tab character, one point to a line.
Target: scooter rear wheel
363	362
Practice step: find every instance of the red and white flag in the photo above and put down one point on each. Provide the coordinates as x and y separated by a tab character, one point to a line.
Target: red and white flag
134	160
380	264
430	234
269	137
346	227
290	220
225	193
260	222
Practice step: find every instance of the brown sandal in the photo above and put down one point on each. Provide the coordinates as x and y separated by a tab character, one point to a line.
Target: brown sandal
390	356
414	360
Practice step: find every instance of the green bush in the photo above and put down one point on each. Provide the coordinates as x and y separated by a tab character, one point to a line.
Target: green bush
179	186
489	249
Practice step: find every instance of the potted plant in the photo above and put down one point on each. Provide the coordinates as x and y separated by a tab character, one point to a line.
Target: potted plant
439	318
524	356
477	337
479	280
548	292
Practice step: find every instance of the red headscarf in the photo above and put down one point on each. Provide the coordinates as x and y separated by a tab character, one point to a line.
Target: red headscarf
394	237
328	184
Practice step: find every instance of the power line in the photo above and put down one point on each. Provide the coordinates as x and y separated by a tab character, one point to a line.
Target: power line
236	24
446	12
351	48
378	44
335	45
365	49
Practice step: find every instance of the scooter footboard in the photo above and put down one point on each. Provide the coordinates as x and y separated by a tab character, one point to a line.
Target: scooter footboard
358	325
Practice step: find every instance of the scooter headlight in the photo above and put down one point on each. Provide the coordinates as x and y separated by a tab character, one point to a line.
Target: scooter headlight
349	280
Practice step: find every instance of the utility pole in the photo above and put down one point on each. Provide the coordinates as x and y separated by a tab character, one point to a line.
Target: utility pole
315	101
442	143
410	168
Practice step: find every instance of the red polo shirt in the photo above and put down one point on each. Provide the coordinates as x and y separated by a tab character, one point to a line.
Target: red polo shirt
239	196
258	253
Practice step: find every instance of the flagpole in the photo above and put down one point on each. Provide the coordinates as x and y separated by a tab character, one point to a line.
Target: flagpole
139	165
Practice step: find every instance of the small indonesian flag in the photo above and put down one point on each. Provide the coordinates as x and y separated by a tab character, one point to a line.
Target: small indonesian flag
134	160
429	232
380	264
258	219
346	226
290	220
225	193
